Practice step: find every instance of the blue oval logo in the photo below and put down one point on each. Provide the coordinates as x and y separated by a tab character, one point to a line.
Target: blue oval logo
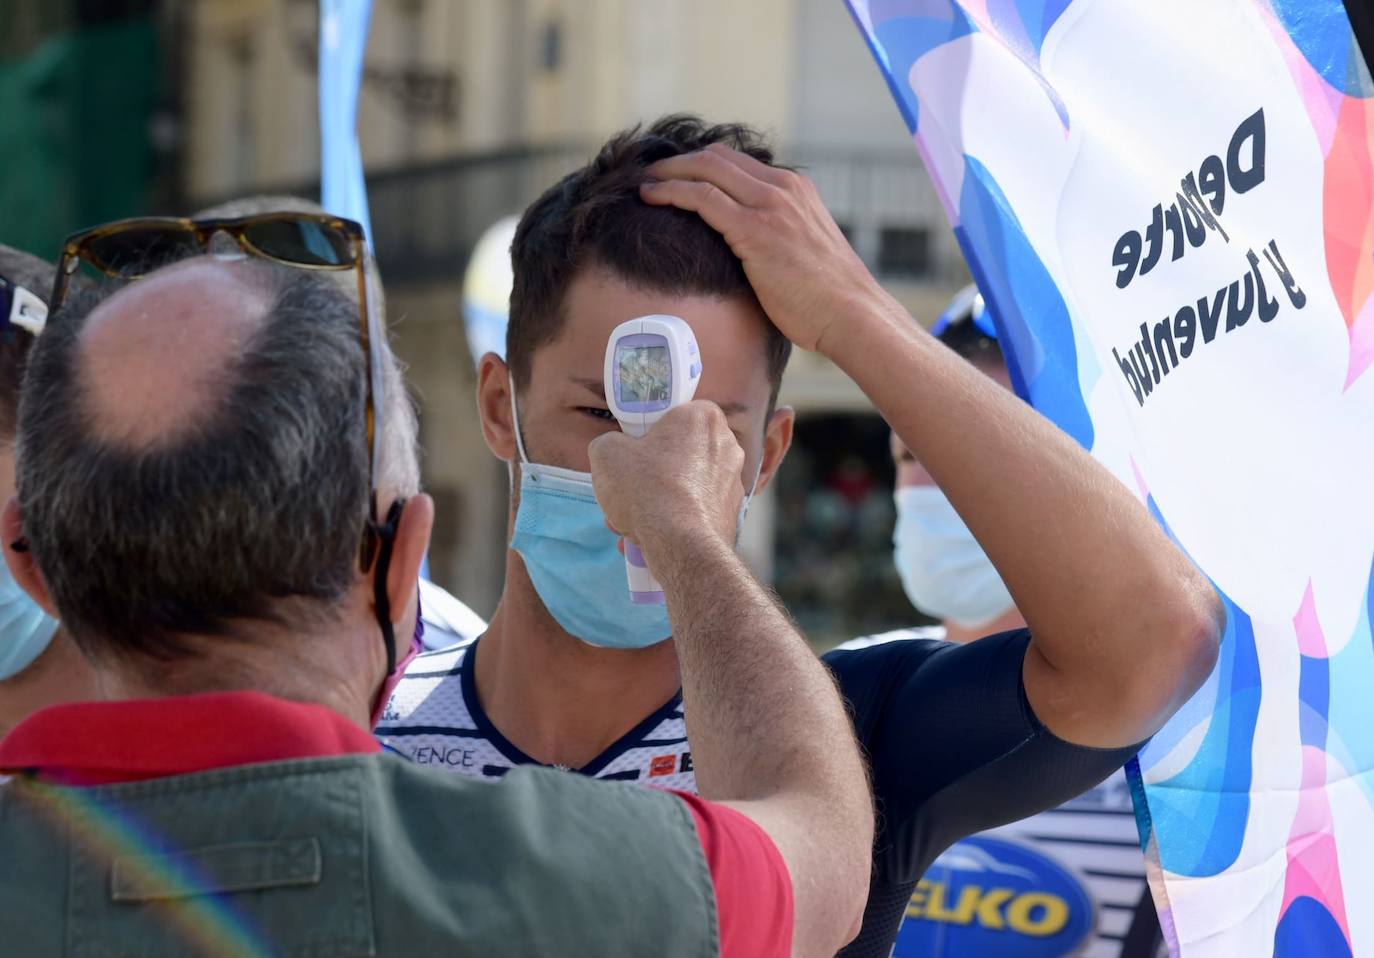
993	896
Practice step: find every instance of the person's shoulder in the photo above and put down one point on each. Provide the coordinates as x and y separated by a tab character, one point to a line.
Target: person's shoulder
900	648
869	668
447	621
562	812
933	633
599	864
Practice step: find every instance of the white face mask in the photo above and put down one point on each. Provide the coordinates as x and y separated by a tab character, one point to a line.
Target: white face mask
944	571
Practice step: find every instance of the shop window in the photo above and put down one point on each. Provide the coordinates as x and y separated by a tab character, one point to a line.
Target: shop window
904	251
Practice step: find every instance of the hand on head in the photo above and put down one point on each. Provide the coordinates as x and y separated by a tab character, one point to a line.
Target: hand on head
798	261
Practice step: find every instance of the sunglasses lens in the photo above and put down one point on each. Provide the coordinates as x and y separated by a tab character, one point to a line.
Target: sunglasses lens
135	252
300	242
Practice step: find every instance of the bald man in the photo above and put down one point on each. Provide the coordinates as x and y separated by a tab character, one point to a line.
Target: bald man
194	490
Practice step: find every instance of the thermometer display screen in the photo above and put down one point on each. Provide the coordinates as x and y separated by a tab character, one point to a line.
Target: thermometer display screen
646	374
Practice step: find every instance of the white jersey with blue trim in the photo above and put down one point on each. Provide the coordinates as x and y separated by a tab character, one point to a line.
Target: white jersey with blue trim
434	719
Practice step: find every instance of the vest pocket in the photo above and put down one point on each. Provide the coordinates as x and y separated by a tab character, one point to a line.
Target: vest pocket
252	861
244	866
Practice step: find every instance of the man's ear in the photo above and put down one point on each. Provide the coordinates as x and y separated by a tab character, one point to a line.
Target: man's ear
777	439
20	561
494	406
407	555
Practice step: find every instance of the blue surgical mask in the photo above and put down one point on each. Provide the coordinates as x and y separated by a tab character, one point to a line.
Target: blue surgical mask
25	629
572	559
944	570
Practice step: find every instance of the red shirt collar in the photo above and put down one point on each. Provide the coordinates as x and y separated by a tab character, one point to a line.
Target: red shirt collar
94	743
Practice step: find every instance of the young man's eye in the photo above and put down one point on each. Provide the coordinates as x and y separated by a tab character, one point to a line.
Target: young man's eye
598	413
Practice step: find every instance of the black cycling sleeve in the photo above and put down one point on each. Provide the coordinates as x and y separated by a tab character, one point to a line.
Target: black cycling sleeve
954	749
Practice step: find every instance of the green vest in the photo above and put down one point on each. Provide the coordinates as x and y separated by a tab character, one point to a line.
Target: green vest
351	856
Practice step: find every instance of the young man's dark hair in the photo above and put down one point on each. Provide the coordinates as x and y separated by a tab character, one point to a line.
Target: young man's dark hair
595	217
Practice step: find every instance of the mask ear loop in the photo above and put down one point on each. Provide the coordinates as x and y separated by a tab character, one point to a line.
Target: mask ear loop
749	497
519	440
386	537
515	424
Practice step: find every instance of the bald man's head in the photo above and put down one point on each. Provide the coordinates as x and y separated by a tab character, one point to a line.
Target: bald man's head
192	454
155	360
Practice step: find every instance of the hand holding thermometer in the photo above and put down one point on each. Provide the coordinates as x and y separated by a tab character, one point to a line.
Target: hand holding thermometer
652	365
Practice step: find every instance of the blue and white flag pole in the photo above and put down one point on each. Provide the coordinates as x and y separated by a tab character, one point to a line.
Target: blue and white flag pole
343	190
343	39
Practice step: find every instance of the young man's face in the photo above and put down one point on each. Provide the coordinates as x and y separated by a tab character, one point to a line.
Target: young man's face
563	406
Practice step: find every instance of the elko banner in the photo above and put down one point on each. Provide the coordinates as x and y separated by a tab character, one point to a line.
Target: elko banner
1169	207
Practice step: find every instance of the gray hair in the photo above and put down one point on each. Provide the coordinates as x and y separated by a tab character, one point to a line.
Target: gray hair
397	430
257	513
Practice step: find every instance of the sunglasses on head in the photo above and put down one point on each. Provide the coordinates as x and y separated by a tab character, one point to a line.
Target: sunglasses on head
131	249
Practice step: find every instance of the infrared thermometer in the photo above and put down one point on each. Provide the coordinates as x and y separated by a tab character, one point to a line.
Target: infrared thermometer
652	365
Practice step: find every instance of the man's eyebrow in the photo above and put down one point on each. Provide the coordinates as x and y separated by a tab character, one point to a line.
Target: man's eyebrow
597	388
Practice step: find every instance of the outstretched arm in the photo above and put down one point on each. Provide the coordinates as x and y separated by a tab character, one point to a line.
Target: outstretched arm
1124	627
769	734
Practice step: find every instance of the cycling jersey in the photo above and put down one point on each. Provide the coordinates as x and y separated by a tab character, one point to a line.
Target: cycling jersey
434	719
954	749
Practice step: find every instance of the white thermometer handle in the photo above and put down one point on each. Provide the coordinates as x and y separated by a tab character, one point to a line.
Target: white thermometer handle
644	588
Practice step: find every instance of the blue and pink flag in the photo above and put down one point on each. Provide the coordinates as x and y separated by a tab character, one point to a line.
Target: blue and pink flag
1169	207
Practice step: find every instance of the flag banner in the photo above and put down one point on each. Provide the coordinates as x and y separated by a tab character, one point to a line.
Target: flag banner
1169	207
343	39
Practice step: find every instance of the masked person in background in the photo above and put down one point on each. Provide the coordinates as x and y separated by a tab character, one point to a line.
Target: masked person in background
945	572
39	664
694	221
